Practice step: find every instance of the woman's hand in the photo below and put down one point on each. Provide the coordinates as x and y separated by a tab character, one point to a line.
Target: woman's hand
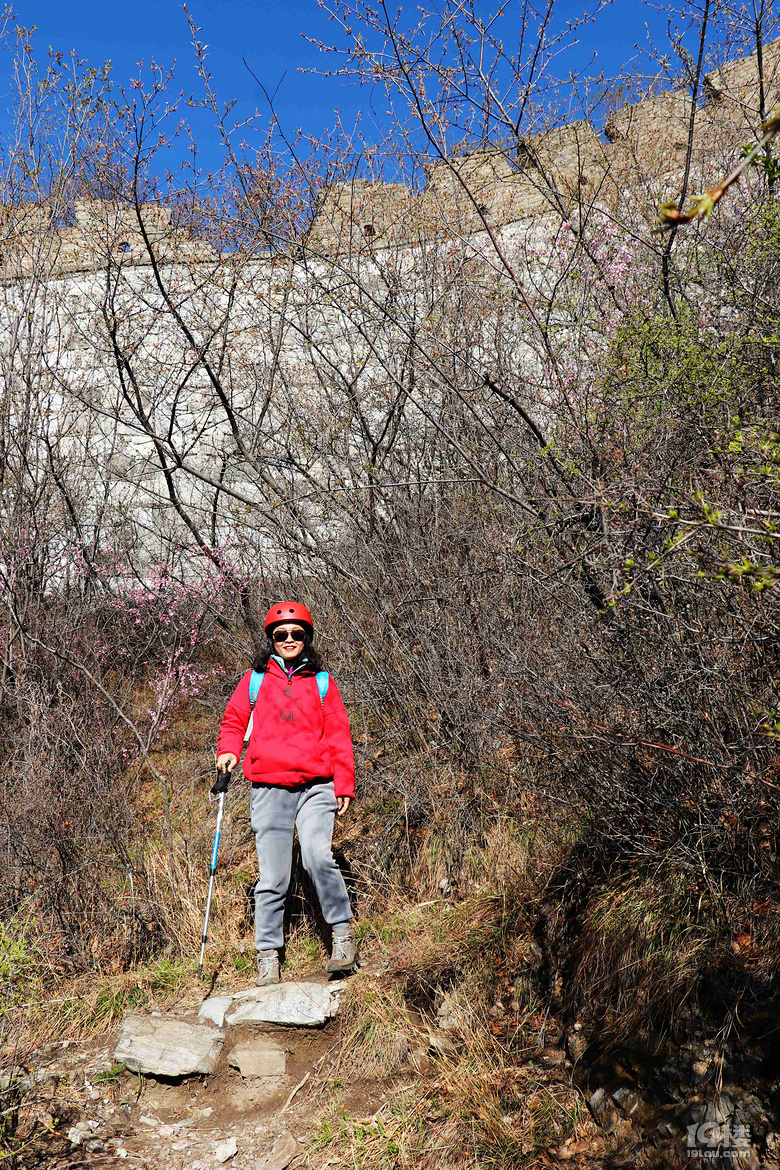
226	762
343	802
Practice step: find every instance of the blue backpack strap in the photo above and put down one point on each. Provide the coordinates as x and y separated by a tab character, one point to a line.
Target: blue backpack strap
323	678
255	682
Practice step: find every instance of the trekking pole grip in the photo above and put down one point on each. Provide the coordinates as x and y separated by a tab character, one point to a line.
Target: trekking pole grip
221	784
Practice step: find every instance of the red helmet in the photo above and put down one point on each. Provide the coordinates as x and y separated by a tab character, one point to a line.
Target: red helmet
288	611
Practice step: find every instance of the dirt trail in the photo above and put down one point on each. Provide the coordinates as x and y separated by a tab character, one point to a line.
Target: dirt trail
120	1119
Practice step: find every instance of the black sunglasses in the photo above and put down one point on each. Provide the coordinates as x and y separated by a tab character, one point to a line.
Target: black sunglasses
288	635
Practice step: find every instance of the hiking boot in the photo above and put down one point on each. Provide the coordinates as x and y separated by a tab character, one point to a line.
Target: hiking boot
343	957
267	968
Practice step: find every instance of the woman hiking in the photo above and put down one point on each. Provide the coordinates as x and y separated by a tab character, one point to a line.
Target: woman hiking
301	768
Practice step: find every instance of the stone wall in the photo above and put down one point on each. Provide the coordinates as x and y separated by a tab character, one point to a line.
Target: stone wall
360	211
104	232
643	149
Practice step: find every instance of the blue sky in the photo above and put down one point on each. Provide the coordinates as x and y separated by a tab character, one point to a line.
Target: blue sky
267	34
270	36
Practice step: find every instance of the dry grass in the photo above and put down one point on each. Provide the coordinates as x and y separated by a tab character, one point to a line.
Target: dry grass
478	1098
483	1099
87	1006
481	1104
303	953
642	952
379	1031
42	1003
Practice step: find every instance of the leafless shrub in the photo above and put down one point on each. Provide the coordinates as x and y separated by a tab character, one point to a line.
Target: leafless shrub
525	470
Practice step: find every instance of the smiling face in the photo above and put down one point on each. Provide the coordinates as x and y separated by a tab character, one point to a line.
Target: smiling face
288	640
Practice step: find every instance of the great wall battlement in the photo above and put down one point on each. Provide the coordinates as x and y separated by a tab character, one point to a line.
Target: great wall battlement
641	151
104	233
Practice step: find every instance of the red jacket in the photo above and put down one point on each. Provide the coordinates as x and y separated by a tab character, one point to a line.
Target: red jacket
295	736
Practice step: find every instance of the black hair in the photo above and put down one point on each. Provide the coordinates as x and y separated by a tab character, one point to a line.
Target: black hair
313	664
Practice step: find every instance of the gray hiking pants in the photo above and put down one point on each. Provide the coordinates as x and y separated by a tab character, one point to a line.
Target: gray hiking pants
275	814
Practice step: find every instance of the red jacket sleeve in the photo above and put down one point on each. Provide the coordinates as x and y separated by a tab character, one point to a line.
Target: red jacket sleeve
339	739
235	720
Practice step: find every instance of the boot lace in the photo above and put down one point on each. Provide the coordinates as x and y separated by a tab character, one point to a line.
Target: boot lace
342	943
265	965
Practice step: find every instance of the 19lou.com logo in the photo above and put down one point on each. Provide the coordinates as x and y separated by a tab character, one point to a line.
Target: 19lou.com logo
713	1139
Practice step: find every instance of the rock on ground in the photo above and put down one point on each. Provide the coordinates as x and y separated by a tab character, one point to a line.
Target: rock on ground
224	1151
166	1047
213	1010
77	1133
302	1004
260	1057
282	1154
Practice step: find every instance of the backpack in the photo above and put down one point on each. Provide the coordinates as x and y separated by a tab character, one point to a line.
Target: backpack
256	681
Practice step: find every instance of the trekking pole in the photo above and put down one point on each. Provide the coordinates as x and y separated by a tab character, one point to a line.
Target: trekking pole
219	789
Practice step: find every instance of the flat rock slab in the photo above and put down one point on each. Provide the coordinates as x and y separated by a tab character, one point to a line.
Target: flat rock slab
301	1004
262	1057
167	1048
